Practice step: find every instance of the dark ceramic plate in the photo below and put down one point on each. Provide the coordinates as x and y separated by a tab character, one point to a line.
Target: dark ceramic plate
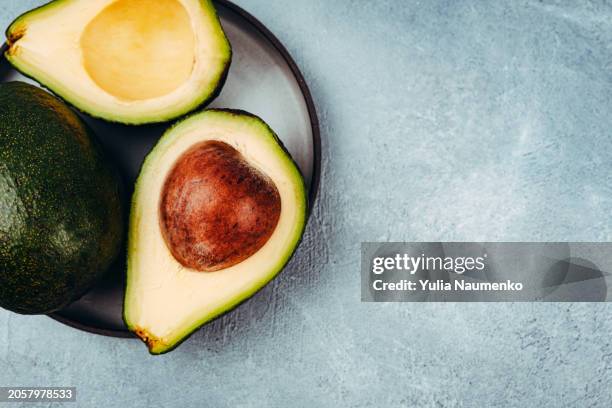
264	80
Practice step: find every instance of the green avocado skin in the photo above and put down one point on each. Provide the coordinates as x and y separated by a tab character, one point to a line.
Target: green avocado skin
61	218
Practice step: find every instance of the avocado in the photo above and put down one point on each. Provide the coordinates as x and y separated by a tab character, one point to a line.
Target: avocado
219	208
127	61
61	220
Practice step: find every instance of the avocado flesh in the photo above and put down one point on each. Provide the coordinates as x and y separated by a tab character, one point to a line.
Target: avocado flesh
128	61
61	222
165	300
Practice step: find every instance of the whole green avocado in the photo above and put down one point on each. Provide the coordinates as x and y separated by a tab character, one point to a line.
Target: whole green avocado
61	211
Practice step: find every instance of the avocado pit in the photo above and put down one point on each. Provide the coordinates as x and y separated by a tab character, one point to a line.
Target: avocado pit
216	209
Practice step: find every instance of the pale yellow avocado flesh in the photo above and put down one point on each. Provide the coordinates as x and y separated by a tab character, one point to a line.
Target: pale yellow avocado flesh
129	61
165	301
139	49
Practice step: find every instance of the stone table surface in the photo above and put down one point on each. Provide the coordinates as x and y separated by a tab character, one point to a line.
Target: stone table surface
441	120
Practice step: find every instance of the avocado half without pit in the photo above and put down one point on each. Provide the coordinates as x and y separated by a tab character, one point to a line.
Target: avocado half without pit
128	61
218	210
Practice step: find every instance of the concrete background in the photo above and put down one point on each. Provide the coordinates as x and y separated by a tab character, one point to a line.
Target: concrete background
442	120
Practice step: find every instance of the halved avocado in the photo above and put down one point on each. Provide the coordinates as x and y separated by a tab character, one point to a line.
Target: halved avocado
128	61
218	210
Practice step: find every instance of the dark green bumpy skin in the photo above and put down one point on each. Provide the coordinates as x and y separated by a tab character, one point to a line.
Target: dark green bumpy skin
61	222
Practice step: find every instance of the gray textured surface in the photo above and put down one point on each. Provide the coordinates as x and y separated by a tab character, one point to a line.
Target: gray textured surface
442	121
